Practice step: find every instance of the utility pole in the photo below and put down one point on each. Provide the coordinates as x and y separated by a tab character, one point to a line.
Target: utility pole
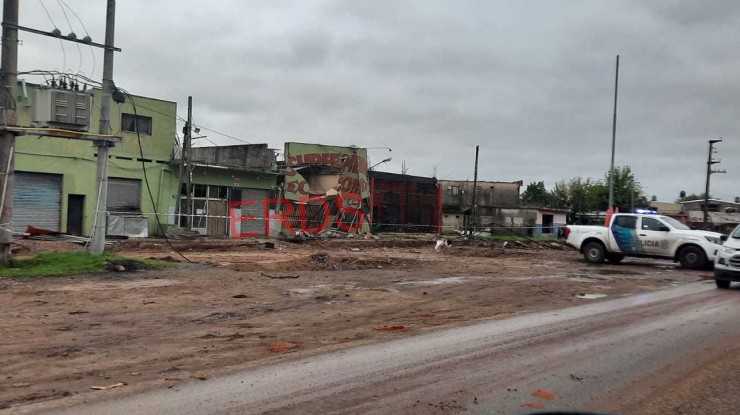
710	162
474	208
187	159
614	139
97	245
9	73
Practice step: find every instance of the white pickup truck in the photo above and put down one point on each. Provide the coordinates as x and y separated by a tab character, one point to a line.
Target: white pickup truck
644	235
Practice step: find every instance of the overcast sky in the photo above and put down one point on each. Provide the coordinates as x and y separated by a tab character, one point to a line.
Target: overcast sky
531	82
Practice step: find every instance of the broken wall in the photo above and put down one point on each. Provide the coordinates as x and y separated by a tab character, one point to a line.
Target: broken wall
326	188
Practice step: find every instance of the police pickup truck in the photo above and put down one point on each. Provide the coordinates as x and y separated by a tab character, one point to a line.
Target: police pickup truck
644	235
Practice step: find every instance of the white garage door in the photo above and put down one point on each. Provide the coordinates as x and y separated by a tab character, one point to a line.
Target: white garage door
37	201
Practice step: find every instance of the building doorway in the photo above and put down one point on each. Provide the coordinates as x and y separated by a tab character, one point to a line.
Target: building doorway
75	214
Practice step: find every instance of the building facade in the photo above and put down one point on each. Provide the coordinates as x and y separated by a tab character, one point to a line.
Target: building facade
234	188
497	202
403	203
55	178
325	188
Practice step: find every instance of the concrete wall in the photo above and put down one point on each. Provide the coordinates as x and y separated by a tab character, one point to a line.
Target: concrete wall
494	194
233	178
307	163
403	203
243	157
76	160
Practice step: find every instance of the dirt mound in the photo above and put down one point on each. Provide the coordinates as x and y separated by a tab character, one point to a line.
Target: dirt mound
322	261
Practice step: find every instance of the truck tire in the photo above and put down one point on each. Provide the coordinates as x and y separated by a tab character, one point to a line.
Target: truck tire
614	258
594	252
724	284
692	257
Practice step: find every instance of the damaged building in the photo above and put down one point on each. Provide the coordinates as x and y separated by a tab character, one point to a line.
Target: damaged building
404	203
497	202
233	190
326	189
498	209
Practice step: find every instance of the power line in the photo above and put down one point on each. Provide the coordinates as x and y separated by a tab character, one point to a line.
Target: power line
71	30
61	43
92	52
146	178
220	133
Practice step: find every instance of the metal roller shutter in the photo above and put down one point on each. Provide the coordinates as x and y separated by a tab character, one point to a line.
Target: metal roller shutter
124	195
256	210
37	201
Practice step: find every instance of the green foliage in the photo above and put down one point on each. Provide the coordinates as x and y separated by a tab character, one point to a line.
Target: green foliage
53	264
536	195
581	195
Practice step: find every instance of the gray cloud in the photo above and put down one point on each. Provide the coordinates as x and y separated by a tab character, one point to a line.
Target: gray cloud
531	82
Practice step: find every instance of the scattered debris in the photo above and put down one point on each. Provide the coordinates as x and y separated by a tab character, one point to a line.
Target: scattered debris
355	249
281	347
544	394
239	296
182	234
269	245
533	405
103	388
576	378
590	296
320	257
280	277
124	265
20	385
47	235
390	328
506	243
442	243
168	258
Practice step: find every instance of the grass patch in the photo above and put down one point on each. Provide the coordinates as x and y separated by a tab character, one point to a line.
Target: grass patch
52	264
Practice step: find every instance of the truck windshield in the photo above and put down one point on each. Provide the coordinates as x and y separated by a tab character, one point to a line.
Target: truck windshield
674	223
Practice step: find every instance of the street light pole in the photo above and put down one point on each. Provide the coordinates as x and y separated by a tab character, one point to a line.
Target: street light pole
614	139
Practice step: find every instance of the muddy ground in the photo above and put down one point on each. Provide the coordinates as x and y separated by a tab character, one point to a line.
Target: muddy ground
240	304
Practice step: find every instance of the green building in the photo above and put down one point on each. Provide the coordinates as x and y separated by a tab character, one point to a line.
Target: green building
234	191
55	178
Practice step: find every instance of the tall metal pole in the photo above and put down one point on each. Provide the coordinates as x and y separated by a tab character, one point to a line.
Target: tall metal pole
474	208
97	245
614	139
9	73
187	158
710	161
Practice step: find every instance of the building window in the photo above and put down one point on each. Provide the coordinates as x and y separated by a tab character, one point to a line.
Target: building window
133	123
453	190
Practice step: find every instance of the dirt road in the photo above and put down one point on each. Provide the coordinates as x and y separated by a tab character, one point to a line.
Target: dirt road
604	356
244	305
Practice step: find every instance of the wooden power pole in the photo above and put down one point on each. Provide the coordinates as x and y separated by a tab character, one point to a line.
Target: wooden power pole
474	205
9	74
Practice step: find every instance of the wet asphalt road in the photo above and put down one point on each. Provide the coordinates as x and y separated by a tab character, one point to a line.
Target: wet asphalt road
595	356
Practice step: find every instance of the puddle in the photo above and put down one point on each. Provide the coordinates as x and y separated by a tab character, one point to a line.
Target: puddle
590	296
437	281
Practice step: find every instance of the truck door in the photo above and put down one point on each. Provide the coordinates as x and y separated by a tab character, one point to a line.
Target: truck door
654	237
623	234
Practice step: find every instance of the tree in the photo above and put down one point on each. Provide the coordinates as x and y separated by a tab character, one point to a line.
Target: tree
536	195
628	192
